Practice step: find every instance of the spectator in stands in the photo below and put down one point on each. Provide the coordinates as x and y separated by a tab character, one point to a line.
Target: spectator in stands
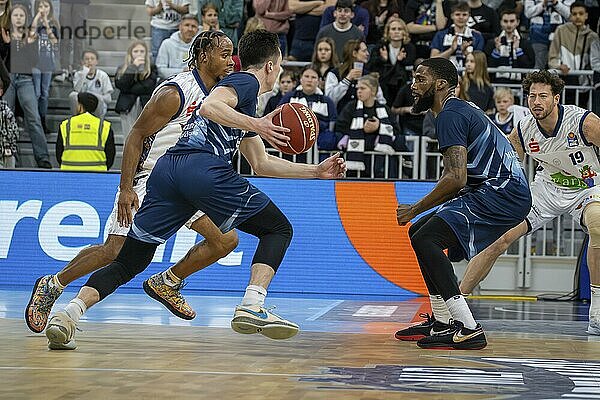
483	19
85	142
309	94
173	51
210	17
92	80
341	30
509	49
570	47
275	14
230	16
411	122
544	17
457	41
360	19
391	58
424	18
287	82
475	84
343	90
166	17
9	134
508	114
306	26
45	29
380	11
136	80
72	19
20	54
325	59
366	125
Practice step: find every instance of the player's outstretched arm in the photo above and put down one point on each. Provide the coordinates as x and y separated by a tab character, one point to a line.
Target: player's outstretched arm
454	178
591	129
156	114
219	106
253	149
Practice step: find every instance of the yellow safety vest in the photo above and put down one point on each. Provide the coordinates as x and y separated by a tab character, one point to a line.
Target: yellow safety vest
84	137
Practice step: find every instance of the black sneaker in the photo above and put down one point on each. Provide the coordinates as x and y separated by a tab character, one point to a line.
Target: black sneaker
426	328
456	338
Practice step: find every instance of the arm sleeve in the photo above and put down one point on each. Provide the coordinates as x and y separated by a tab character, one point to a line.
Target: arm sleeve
246	87
532	9
554	50
327	17
4	75
527	58
145	87
437	42
563	7
451	128
124	81
162	63
595	55
109	149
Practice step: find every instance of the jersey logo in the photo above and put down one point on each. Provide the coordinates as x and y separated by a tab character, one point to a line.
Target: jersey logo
534	146
190	109
572	140
588	174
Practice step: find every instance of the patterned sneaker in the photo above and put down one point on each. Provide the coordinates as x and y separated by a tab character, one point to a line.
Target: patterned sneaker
61	332
429	327
456	338
40	304
594	327
257	319
169	296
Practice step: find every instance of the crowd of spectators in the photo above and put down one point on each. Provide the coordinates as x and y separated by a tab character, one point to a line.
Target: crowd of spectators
358	57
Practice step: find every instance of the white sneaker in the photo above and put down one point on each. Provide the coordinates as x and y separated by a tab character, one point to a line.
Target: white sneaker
257	319
61	331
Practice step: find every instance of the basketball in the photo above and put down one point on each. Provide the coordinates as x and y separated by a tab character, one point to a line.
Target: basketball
303	125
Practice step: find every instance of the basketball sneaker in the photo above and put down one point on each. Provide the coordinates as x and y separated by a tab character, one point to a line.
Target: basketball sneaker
61	331
430	326
169	296
456	338
40	304
257	319
594	327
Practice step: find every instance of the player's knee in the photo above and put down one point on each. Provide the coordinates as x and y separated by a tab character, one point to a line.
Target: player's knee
229	241
111	248
591	218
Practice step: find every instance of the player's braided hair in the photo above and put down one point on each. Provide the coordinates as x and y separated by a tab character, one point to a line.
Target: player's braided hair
204	42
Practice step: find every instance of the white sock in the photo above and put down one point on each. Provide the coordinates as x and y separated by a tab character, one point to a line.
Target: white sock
55	283
459	310
595	302
439	308
170	278
255	295
75	309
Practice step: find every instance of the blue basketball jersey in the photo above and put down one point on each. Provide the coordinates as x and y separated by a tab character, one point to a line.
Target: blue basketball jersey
491	159
203	135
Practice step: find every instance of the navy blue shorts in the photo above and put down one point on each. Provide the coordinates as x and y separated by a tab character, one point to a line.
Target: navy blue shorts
479	217
182	183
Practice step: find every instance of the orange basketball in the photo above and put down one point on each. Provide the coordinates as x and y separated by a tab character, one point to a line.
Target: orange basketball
303	125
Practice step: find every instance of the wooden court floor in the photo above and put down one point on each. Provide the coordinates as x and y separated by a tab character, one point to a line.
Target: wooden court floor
535	351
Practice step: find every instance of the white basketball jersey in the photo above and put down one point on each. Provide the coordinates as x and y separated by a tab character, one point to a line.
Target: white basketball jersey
566	158
191	92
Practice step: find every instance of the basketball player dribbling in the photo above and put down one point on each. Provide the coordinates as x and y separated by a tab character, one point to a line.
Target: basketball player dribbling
196	174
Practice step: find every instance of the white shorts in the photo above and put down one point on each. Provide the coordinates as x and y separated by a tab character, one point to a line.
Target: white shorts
140	189
551	201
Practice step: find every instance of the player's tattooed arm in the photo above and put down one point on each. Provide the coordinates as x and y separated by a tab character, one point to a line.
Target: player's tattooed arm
513	138
591	129
453	179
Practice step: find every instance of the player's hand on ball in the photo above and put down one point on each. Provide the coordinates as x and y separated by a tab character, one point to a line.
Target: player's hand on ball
270	132
332	167
404	213
127	200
